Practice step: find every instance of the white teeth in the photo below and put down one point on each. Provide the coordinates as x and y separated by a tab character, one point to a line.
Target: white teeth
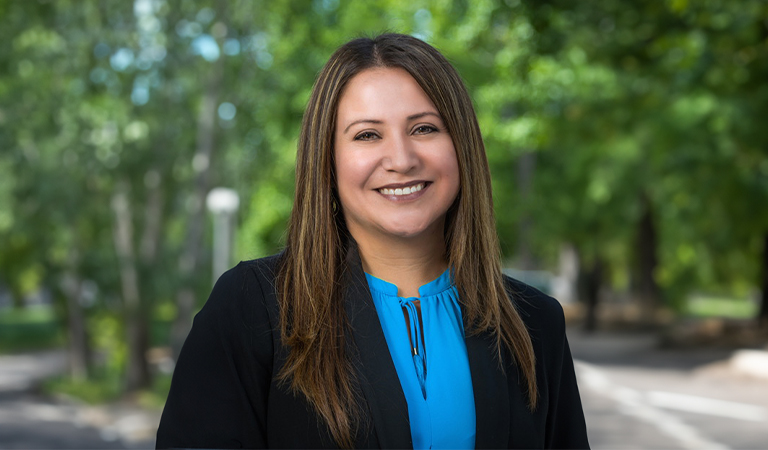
403	191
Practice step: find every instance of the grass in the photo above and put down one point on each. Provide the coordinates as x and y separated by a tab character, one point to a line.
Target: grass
95	390
27	329
36	328
102	388
730	308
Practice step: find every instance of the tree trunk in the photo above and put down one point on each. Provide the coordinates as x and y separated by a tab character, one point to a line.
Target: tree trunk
526	166
591	282
646	289
762	316
193	245
79	351
137	330
153	219
17	299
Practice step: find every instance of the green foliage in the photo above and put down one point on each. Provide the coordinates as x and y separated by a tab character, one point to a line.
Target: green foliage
99	388
108	333
611	101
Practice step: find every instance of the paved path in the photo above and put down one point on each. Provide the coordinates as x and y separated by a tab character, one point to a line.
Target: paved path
20	372
30	421
637	396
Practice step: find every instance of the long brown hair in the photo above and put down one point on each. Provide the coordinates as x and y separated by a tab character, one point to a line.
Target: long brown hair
312	317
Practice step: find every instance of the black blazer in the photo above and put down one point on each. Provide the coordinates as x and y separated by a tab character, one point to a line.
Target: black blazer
224	393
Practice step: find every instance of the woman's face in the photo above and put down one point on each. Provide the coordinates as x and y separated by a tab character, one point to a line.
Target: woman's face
396	166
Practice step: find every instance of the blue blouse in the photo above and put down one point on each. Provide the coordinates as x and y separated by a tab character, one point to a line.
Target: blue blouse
432	366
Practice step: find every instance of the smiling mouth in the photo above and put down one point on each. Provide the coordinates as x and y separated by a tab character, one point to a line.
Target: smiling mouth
404	190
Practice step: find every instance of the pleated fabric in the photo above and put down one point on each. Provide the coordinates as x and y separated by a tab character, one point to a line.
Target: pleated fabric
432	364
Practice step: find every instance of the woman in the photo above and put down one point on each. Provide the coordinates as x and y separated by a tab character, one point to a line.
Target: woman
386	322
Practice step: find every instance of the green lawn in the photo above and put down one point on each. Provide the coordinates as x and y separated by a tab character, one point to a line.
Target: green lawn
732	308
37	328
29	329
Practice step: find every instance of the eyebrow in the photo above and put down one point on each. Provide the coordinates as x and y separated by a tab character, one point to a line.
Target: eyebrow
379	122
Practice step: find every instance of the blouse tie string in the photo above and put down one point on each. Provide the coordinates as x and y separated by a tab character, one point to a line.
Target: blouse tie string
417	346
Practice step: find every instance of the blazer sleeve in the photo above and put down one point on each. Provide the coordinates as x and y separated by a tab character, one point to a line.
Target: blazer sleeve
565	424
219	389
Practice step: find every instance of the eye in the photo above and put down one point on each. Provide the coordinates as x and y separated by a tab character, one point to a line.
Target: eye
425	129
366	136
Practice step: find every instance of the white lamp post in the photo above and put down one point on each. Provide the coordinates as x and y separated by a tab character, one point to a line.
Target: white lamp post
223	203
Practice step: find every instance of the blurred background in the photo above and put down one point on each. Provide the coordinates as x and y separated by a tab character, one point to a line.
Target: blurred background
147	145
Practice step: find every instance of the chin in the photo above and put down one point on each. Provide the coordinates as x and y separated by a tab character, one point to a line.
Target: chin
406	232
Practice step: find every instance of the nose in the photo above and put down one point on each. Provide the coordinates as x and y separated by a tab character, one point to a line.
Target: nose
401	155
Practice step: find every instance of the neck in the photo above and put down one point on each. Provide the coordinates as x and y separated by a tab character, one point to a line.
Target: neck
407	264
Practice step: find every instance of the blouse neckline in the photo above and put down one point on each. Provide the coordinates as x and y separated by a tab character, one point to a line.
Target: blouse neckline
440	284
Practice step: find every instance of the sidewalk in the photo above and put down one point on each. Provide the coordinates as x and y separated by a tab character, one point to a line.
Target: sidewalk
21	372
643	350
121	424
637	395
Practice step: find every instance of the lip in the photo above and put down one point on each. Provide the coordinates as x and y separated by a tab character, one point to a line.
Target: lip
405	197
404	185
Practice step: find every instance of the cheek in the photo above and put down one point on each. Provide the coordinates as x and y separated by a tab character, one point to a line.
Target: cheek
352	171
451	169
344	174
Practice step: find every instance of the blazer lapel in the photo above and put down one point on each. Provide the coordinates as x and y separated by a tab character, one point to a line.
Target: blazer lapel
491	392
378	377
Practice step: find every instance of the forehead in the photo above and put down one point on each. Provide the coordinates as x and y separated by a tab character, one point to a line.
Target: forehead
385	92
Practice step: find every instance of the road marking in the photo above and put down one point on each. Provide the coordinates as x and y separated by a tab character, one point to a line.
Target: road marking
704	405
633	403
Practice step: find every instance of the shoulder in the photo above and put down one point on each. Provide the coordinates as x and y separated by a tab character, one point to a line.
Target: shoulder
539	311
248	275
262	270
243	292
220	386
543	317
